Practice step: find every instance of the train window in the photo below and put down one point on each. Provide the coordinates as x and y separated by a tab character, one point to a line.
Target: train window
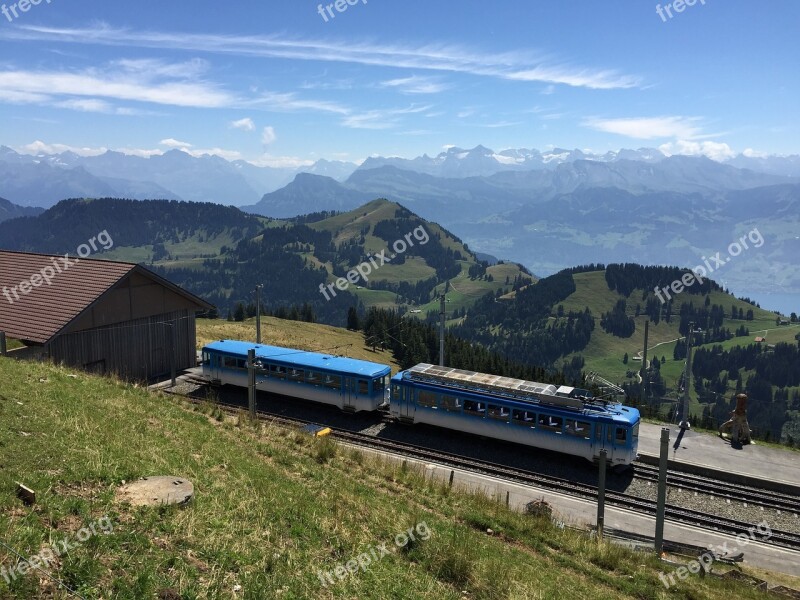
635	432
451	404
277	372
498	412
427	399
313	377
231	362
578	428
622	435
333	381
551	423
378	385
609	434
395	393
363	387
296	374
598	432
206	358
523	417
475	408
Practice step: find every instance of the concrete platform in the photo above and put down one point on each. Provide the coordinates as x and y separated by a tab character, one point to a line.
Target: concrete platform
702	453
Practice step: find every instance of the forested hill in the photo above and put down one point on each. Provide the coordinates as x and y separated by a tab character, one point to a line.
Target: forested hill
143	224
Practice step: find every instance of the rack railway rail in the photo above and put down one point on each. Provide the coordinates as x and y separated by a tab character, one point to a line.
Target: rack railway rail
636	503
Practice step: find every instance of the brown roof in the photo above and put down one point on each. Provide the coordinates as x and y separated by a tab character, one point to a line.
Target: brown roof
75	284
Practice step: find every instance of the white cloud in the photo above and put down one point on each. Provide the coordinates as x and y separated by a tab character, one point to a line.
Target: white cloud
267	160
268	135
380	118
750	153
245	124
173	143
44	85
416	85
517	65
40	147
718	151
289	102
648	128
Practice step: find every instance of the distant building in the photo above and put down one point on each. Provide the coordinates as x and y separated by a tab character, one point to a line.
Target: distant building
98	315
760	340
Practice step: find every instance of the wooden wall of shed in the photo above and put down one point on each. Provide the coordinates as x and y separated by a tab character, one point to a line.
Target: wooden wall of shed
136	350
134	297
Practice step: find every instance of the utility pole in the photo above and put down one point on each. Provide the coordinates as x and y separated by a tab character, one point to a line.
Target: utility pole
687	380
251	382
441	330
3	343
661	498
258	313
601	494
643	373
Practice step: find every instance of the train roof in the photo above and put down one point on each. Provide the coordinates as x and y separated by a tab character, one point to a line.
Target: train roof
302	358
517	390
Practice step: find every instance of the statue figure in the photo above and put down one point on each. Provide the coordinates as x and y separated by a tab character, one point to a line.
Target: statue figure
738	425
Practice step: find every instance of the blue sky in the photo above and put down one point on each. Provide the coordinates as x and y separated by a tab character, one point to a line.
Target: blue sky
277	84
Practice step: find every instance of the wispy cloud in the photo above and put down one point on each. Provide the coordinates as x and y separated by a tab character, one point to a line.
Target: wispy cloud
416	85
268	136
648	128
381	118
516	65
718	151
245	124
173	143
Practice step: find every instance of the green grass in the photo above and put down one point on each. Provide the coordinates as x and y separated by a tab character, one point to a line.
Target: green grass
272	507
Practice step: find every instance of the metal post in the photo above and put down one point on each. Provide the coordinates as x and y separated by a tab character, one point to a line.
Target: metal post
662	490
172	352
441	330
251	382
601	494
644	360
258	313
687	380
3	350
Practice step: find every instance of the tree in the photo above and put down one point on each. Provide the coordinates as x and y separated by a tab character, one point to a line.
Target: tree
625	359
238	314
353	323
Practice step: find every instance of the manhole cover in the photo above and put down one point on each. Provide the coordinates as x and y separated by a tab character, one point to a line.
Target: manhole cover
153	491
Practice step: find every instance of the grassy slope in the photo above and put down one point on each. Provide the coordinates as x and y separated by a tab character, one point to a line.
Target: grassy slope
605	352
464	291
271	508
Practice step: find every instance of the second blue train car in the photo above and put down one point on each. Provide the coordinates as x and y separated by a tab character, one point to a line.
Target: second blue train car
562	419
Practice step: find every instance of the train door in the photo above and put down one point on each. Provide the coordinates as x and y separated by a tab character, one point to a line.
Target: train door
620	442
350	390
603	438
404	396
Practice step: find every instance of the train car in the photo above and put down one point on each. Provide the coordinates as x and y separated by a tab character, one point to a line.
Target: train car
562	419
352	385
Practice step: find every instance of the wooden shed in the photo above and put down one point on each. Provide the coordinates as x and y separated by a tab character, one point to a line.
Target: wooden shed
99	315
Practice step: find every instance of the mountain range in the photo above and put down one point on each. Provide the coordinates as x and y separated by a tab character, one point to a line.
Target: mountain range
547	210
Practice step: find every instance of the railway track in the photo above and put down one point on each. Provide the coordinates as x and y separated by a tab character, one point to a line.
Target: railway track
744	494
573	488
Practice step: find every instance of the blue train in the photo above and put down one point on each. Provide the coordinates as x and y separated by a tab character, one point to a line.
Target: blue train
558	418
